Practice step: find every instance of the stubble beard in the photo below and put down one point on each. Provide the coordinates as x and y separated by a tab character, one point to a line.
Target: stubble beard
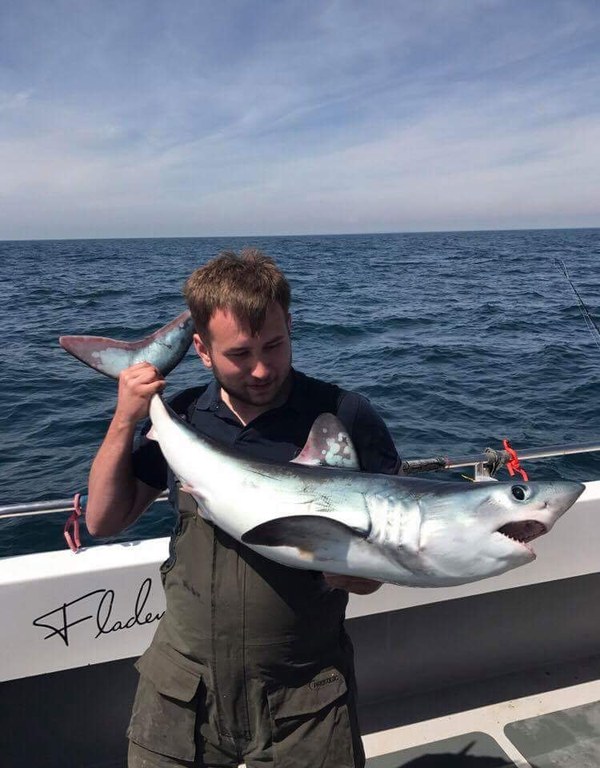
245	397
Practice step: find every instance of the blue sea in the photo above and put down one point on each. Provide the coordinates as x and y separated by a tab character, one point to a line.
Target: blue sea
458	339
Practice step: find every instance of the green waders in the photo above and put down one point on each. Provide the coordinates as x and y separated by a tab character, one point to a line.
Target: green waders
250	663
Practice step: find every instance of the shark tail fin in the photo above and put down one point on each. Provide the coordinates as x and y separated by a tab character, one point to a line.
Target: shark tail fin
164	348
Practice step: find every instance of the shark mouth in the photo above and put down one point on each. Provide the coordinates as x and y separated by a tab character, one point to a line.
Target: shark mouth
523	531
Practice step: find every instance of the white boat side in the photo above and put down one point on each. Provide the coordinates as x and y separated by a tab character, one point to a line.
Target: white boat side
70	610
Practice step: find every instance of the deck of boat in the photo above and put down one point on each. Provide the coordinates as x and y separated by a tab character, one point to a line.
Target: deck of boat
547	718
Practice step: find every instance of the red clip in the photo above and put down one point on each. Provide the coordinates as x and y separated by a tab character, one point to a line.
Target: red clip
514	465
73	522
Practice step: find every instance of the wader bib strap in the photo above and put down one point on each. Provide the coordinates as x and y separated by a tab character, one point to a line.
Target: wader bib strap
186	502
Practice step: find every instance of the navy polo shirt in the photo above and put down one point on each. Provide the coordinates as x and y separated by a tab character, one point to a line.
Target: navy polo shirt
278	434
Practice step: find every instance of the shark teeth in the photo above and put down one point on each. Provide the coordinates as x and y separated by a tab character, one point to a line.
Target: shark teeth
523	531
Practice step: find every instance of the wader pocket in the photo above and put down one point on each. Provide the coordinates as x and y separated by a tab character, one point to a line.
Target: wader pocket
164	711
312	724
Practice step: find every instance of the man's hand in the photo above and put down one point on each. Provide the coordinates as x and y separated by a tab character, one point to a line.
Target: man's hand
137	385
354	584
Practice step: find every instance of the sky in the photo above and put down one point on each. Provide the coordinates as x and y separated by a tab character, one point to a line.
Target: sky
185	118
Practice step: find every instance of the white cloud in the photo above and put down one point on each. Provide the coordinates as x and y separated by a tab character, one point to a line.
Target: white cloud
143	119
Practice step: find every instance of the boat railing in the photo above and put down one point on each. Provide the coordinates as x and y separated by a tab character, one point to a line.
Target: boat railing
56	506
485	466
487	463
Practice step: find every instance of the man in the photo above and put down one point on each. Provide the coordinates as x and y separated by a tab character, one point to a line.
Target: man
250	662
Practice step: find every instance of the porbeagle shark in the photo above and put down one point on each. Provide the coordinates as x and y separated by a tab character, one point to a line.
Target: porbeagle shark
320	512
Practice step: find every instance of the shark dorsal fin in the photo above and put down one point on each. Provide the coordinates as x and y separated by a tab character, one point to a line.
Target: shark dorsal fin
328	445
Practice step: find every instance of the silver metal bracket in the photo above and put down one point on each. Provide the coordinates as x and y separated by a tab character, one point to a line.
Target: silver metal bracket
482	474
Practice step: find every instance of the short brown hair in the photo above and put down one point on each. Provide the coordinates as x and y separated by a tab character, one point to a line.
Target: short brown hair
246	285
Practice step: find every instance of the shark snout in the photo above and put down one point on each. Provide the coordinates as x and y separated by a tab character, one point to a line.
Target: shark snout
545	503
563	494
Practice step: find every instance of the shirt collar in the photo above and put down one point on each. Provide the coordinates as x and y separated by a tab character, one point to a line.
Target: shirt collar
210	399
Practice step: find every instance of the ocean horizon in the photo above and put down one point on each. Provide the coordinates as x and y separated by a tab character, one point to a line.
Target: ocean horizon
299	236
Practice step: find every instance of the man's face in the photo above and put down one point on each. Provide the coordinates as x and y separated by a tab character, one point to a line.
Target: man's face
251	369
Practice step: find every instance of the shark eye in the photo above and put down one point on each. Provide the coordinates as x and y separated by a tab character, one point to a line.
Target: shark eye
520	492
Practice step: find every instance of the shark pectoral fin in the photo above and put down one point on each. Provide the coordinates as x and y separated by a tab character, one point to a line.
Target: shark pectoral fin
328	445
316	538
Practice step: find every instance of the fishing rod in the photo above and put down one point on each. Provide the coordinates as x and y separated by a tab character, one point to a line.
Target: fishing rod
589	320
488	463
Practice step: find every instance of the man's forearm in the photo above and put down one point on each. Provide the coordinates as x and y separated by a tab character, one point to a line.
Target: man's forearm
112	485
115	497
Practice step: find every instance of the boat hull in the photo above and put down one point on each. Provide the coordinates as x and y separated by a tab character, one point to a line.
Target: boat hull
78	622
